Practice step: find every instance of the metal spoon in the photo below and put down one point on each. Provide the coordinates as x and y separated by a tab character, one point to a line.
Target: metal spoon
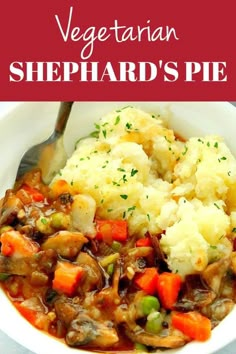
49	155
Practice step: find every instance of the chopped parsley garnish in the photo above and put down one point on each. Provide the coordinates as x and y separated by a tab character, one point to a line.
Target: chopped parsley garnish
216	145
217	206
104	132
234	229
185	150
117	121
167	139
105	165
115	184
200	140
121	169
126	107
124	178
132	208
94	134
128	126
124	196
43	221
133	172
223	158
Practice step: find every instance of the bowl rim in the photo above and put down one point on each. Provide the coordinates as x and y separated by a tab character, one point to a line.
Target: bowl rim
29	342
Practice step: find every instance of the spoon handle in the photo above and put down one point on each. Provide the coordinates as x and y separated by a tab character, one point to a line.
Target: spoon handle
62	117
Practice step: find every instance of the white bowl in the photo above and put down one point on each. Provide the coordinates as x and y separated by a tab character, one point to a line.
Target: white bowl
24	124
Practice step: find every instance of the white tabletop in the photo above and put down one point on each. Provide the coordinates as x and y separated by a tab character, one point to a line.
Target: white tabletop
9	346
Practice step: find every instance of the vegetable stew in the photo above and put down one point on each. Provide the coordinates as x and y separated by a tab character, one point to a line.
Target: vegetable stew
106	292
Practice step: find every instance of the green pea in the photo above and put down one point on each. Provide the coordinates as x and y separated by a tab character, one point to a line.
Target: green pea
59	220
4	276
110	269
149	304
116	246
154	323
138	347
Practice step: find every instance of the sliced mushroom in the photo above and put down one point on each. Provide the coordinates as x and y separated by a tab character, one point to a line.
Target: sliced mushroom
160	257
11	206
195	293
109	296
219	309
153	340
44	261
93	278
84	330
66	309
215	272
67	244
134	260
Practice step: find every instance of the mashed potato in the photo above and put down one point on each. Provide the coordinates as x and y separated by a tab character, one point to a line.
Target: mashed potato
136	169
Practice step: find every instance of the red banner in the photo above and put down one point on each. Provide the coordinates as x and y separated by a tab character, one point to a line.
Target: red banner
117	50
